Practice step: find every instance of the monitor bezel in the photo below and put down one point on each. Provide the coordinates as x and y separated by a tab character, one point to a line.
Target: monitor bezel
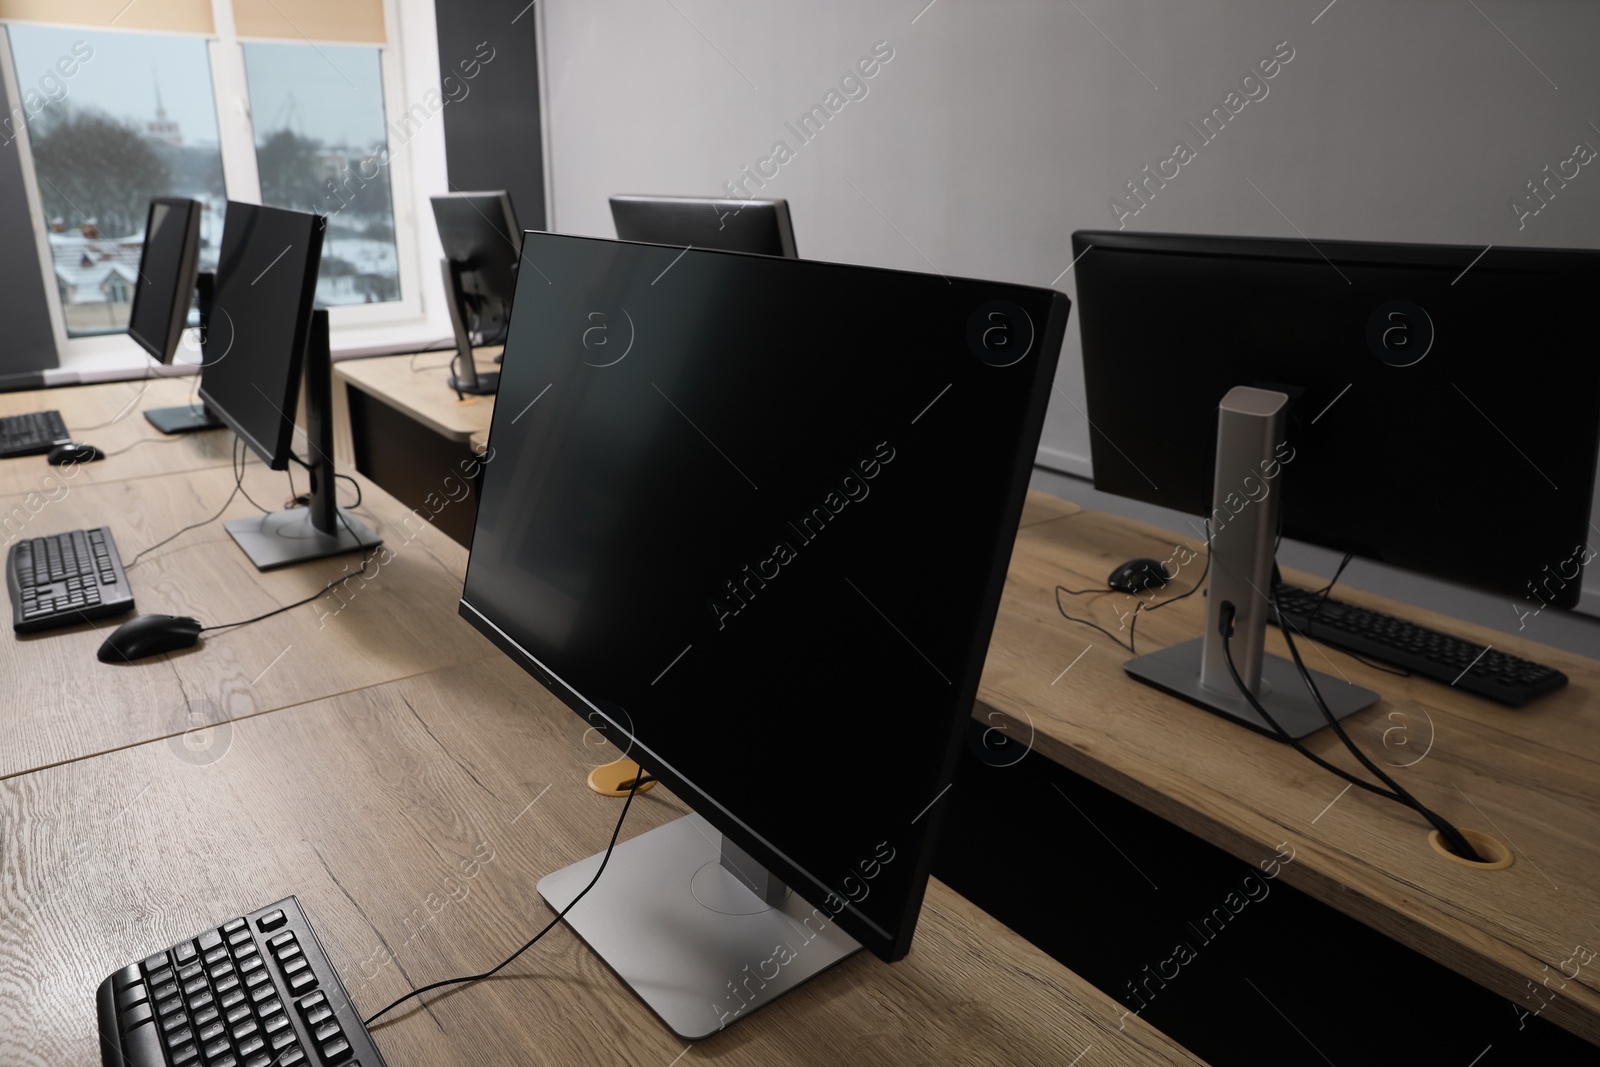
188	275
888	944
277	456
782	220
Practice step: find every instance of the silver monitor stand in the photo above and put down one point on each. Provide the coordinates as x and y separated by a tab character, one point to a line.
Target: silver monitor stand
1250	427
467	380
699	930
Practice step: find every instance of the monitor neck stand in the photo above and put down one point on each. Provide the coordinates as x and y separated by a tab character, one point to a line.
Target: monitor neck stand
187	418
467	380
1250	427
699	930
322	528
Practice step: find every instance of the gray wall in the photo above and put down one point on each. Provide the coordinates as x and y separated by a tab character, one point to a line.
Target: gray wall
1001	126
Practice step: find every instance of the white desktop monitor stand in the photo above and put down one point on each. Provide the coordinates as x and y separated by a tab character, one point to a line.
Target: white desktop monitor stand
1250	429
679	915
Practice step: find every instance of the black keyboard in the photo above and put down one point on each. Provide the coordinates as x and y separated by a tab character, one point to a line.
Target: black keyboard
1464	664
31	434
257	991
64	579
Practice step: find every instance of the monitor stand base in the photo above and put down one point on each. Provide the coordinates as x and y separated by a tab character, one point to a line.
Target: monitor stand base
186	418
1176	670
483	383
283	537
691	939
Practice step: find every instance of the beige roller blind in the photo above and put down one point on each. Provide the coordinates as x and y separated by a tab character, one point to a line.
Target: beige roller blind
309	20
178	16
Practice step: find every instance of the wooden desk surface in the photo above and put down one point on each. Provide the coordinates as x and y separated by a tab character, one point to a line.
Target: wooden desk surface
148	450
61	703
365	805
1530	776
419	386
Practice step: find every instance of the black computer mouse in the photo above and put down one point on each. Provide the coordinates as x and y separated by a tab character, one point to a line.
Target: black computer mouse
148	635
74	453
1137	575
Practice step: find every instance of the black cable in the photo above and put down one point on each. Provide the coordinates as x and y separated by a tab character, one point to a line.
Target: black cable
192	526
241	456
143	441
632	790
1450	833
1226	628
1134	622
1458	844
1343	563
361	572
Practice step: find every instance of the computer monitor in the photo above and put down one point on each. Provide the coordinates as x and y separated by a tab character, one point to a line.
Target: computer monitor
264	337
482	249
1442	414
771	580
760	226
169	274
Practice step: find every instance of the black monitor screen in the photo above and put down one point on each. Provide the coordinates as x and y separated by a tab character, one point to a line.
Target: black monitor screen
164	288
760	226
260	316
1446	400
756	513
478	231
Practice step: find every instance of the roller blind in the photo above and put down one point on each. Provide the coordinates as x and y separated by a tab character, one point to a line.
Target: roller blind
178	16
309	20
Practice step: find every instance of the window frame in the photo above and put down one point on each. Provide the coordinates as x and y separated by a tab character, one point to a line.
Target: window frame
241	181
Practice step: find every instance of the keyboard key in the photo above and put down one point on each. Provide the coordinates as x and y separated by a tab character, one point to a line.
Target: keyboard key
282	1038
295	966
279	941
318	1015
138	1013
315	1000
179	1037
326	1033
233	924
336	1050
209	940
125	977
268	1008
231	998
142	1048
217	1048
212	1031
287	953
256	980
252	1045
301	982
214	955
236	1012
293	1056
271	921
184	1055
243	1030
263	992
134	994
260	1059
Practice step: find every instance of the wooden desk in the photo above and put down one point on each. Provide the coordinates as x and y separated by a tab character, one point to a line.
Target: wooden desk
148	450
1529	776
363	805
398	421
63	704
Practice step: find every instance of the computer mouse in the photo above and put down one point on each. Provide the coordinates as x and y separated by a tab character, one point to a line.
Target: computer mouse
1137	575
74	453
148	635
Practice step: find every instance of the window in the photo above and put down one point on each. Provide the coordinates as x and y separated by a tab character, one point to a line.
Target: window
280	102
114	119
321	146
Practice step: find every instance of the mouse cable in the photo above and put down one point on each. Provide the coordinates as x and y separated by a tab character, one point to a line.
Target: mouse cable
149	367
643	779
144	441
1134	621
361	572
1452	836
192	526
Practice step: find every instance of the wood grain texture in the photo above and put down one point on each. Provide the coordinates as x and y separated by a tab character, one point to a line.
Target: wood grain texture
63	704
366	806
423	391
1529	776
149	451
